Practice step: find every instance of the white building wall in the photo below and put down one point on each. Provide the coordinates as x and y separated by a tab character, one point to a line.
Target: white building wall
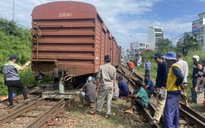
152	39
198	28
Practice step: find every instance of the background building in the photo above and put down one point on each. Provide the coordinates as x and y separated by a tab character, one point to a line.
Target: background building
198	29
183	37
137	47
141	45
154	35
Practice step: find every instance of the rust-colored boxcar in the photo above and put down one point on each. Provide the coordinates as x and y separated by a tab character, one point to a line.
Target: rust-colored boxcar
70	35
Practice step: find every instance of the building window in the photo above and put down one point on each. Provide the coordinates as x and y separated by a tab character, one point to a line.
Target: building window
158	30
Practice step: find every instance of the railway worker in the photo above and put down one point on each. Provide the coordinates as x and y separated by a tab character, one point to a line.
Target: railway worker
185	71
139	98
87	92
12	78
137	61
160	84
147	66
124	90
105	82
195	59
131	66
149	85
174	81
201	76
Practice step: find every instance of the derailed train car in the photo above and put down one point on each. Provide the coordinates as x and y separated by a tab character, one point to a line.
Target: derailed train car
70	40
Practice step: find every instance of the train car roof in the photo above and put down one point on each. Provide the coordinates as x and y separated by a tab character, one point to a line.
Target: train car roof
64	10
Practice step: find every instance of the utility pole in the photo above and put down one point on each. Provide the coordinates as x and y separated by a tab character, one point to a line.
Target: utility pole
13	8
172	34
185	47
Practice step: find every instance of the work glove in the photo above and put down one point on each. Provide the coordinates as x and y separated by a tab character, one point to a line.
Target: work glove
28	62
162	94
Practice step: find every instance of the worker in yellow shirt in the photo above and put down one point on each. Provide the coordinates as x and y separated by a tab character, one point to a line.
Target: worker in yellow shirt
174	80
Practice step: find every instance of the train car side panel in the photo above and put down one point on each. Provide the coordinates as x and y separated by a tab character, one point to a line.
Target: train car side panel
70	35
64	40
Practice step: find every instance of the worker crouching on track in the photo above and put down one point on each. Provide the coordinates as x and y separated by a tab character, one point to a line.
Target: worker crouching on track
174	80
139	98
12	78
124	90
105	81
87	92
149	85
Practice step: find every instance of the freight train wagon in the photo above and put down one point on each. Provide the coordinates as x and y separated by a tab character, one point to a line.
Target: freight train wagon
70	38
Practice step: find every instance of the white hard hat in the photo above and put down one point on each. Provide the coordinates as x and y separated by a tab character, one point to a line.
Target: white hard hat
90	78
196	57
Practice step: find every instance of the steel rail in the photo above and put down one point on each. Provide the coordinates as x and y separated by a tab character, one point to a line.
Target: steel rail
44	117
23	104
134	74
192	119
192	116
191	111
127	77
20	111
150	118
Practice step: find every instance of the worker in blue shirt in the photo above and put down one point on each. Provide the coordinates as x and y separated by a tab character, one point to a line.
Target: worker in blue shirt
123	87
147	67
149	85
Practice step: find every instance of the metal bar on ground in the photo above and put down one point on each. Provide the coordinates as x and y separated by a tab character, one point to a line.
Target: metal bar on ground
18	112
150	118
192	119
41	120
192	112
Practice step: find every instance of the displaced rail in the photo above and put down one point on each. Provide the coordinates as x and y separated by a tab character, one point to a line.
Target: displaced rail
123	71
192	116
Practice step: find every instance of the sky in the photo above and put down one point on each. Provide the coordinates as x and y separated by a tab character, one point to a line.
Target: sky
128	20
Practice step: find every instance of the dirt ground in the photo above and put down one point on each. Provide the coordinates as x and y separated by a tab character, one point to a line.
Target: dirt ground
79	117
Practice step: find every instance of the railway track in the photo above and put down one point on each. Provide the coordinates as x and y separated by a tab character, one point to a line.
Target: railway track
192	116
131	79
37	113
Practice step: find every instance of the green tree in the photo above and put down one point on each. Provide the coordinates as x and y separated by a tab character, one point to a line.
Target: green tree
190	44
164	45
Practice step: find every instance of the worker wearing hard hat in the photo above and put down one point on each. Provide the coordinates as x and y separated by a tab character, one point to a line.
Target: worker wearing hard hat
195	59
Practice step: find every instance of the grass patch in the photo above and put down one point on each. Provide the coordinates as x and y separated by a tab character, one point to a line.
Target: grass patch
118	120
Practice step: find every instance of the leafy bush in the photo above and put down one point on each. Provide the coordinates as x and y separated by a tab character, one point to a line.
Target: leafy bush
15	40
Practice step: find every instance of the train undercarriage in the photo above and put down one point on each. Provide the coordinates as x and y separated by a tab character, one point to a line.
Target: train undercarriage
63	85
